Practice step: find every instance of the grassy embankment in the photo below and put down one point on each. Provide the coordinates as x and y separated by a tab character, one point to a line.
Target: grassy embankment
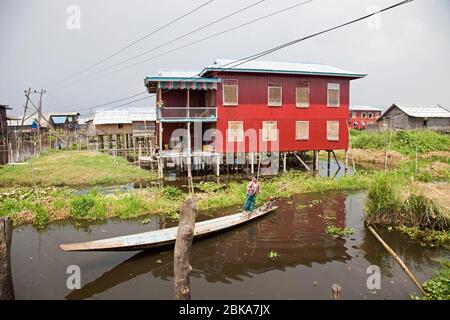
24	205
72	169
413	195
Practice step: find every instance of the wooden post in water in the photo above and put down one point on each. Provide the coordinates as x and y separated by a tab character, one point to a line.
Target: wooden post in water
183	244
317	162
6	284
328	164
336	291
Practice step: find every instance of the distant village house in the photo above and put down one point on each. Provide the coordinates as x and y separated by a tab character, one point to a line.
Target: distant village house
362	116
401	116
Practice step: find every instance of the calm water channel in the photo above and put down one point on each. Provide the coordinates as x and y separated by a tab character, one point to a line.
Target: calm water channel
231	265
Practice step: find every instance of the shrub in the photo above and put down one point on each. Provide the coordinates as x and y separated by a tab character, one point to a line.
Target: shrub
40	219
170	192
130	206
90	206
382	203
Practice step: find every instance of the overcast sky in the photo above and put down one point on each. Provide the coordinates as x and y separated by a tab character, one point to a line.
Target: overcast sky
405	53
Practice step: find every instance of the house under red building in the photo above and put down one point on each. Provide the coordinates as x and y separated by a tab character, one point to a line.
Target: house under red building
361	116
252	108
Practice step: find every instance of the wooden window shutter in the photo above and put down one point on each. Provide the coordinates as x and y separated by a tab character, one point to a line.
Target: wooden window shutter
274	96
302	95
333	130
270	131
230	93
235	131
302	130
333	94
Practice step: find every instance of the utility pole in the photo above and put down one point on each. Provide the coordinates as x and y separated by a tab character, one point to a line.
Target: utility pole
19	141
40	120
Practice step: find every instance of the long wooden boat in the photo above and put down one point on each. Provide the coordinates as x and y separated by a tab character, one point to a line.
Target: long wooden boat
165	237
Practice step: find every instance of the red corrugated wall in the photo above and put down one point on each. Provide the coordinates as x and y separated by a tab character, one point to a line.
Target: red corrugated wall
253	109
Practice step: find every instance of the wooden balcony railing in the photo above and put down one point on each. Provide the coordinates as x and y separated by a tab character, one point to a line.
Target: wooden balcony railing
202	113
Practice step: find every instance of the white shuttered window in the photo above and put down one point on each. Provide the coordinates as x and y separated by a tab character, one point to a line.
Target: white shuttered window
235	131
333	94
270	131
302	130
333	130
274	96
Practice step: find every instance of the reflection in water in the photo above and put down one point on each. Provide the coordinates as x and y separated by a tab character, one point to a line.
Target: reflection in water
235	264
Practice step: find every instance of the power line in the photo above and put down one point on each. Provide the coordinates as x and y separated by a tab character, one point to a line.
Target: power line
136	41
236	63
290	43
241	61
179	37
198	41
111	102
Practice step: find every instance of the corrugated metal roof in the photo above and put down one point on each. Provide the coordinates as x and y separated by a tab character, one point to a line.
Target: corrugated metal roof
124	116
178	73
364	108
61	113
279	67
166	75
18	122
85	119
416	111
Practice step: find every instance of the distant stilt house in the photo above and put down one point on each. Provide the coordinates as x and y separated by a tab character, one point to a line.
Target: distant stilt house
400	116
125	129
65	121
237	113
360	117
27	127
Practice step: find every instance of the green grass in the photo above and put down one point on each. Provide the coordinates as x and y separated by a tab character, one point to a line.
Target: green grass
74	169
392	200
404	142
62	203
91	206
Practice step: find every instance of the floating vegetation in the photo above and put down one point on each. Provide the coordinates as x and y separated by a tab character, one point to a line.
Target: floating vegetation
272	254
338	232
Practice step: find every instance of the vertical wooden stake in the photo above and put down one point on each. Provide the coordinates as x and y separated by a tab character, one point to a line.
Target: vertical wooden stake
415	162
328	164
346	162
183	244
6	284
252	162
387	151
336	291
317	161
218	165
284	162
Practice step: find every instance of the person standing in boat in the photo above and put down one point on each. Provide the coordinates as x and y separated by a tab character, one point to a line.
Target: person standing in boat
252	190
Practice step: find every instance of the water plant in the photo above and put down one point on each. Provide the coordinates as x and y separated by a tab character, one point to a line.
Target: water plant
337	232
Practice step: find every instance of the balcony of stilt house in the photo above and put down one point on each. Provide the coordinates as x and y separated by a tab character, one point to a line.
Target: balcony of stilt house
186	112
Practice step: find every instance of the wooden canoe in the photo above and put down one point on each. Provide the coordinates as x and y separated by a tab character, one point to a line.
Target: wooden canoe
165	237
